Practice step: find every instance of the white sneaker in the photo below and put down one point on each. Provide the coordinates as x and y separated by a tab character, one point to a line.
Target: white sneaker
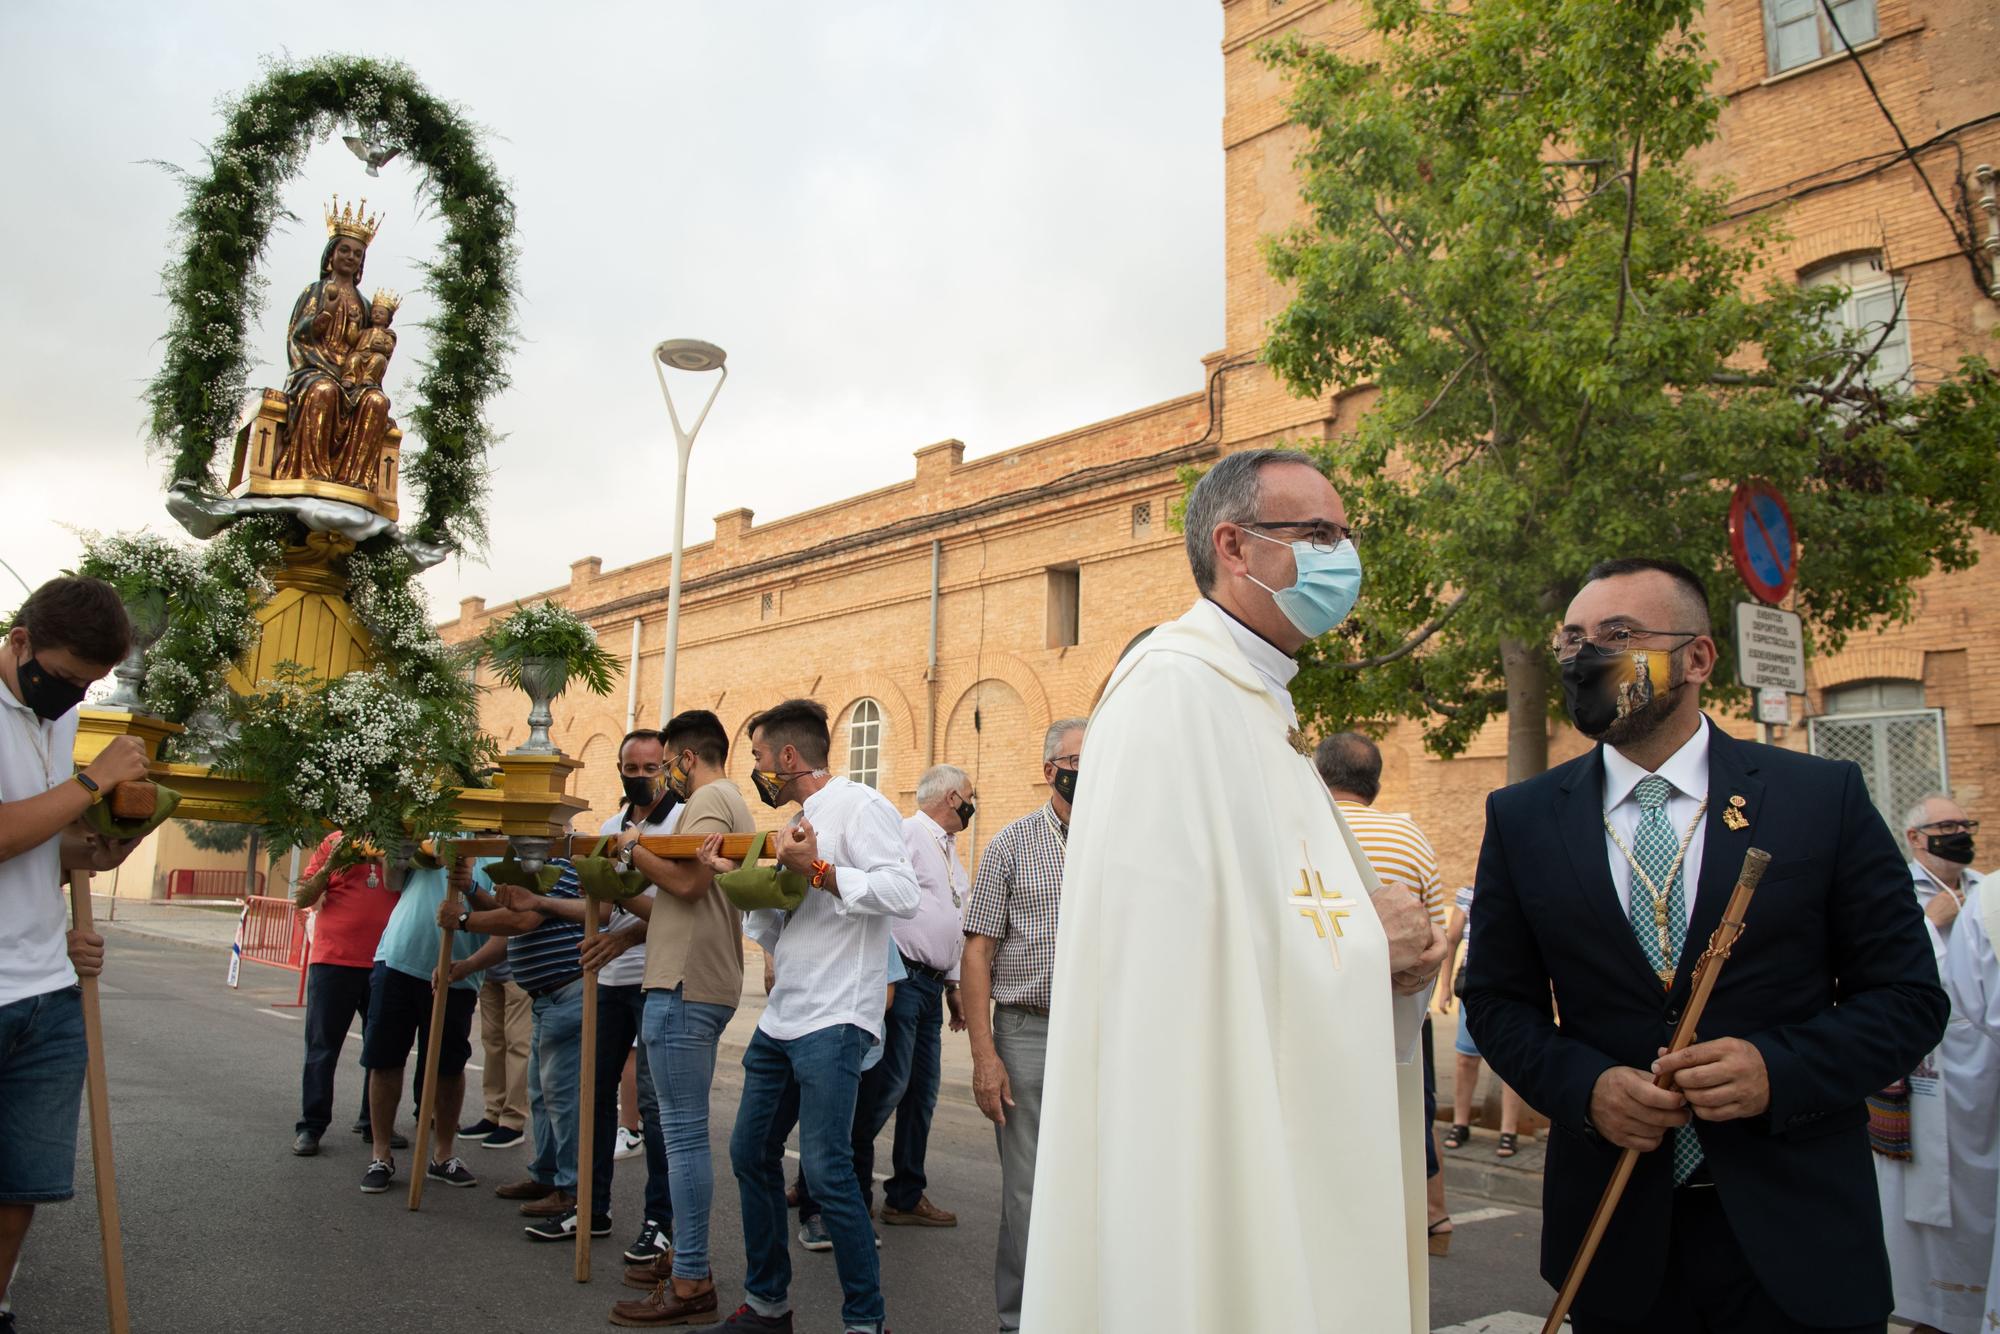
629	1144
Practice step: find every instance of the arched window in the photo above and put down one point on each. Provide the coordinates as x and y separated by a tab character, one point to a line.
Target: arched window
1884	727
1873	308
864	743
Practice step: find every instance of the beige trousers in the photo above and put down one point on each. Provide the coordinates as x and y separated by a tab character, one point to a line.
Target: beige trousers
506	1026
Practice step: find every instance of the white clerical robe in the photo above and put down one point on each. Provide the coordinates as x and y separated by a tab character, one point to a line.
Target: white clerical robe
1972	979
1937	1208
1227	1141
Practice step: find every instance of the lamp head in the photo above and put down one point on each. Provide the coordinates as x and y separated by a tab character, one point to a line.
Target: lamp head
690	354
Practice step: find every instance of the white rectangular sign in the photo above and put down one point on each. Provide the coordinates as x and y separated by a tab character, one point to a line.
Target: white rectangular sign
1770	649
1774	706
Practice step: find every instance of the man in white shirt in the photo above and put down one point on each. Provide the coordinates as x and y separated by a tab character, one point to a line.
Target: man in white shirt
930	943
70	632
1935	1135
830	956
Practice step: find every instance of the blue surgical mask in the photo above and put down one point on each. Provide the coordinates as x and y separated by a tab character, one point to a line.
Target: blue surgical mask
1324	590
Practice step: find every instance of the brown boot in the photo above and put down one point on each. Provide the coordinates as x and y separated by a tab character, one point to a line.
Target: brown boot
678	1301
553	1205
524	1190
925	1214
646	1277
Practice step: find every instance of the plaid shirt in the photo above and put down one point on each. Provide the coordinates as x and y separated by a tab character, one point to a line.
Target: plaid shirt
1014	900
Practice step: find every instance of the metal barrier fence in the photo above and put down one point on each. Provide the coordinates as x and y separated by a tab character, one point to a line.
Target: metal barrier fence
276	933
213	884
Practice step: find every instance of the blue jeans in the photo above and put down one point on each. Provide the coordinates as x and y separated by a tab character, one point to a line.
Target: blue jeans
335	994
916	1022
679	1037
620	1017
42	1058
554	1065
813	1080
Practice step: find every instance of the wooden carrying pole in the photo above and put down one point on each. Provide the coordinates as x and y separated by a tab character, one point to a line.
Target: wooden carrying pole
1707	969
672	847
461	872
586	1102
118	1317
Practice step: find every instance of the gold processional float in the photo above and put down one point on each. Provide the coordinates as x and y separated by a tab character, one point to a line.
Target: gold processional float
324	452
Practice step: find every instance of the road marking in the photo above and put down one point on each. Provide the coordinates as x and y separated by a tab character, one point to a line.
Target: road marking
793	1154
280	1014
1501	1322
1483	1215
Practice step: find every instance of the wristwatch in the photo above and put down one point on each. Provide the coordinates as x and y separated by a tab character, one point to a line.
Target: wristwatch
90	786
462	918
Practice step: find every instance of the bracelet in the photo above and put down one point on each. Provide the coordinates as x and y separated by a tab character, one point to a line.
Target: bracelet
822	872
96	792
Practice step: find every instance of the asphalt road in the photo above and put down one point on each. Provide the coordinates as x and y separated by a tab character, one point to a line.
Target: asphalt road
226	1231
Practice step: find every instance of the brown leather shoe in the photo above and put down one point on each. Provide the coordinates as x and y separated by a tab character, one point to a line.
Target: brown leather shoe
681	1301
925	1214
646	1277
554	1205
524	1190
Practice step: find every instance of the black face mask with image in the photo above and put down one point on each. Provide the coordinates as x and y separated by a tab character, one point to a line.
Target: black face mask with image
46	693
1065	784
1954	848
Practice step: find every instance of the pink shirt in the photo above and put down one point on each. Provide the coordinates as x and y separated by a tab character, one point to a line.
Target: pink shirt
935	936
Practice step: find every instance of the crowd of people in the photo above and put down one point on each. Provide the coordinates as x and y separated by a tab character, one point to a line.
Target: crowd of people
1199	1051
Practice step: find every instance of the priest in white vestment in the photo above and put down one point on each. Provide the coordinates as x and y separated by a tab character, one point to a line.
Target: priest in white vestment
1938	1206
1232	1105
1972	980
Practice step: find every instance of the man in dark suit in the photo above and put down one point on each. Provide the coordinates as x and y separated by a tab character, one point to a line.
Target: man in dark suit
1753	1210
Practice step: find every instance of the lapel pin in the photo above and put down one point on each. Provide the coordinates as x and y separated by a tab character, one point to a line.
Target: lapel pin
1732	815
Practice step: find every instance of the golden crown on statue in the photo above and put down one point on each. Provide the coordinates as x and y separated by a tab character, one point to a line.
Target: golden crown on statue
351	221
387	298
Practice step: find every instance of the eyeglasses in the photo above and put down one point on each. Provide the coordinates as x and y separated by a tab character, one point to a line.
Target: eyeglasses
1066	761
1568	641
1323	534
1951	827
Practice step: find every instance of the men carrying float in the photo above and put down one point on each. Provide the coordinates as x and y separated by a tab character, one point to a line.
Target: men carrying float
69	633
824	1012
1752	1209
1234	991
1010	958
354	904
1936	1134
693	981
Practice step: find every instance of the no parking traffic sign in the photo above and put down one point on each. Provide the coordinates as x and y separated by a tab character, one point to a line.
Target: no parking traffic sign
1763	542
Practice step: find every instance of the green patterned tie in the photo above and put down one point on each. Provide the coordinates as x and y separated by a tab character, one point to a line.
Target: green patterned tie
1655	846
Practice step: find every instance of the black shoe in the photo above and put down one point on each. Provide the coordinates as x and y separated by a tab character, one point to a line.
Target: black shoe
479	1129
506	1137
747	1321
305	1144
650	1246
564	1228
376	1179
360	1128
450	1172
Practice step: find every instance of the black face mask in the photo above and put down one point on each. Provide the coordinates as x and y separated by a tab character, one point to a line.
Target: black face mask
1953	848
46	693
1592	706
965	810
640	791
1065	784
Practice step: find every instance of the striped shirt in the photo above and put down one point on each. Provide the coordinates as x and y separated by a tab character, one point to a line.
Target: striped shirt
546	957
1014	900
1398	850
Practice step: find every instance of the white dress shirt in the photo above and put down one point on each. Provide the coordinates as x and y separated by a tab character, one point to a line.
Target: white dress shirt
1687	770
1274	667
831	955
34	915
935	936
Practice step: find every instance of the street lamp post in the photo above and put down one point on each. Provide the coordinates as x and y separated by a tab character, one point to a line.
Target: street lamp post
683	354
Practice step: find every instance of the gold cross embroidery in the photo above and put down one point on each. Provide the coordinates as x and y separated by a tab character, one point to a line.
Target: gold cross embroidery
1311	902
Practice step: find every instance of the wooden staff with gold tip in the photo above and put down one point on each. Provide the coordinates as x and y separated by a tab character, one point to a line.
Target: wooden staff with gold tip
586	1104
119	1319
457	878
1707	969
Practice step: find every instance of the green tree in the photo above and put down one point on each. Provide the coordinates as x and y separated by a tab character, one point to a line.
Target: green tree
1577	356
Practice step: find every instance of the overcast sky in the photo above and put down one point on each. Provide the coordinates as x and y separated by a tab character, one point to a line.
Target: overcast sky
904	221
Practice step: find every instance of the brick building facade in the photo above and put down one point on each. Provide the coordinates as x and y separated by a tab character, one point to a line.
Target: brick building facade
982	599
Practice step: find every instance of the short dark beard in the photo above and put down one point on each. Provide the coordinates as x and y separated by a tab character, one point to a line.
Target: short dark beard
1642	723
